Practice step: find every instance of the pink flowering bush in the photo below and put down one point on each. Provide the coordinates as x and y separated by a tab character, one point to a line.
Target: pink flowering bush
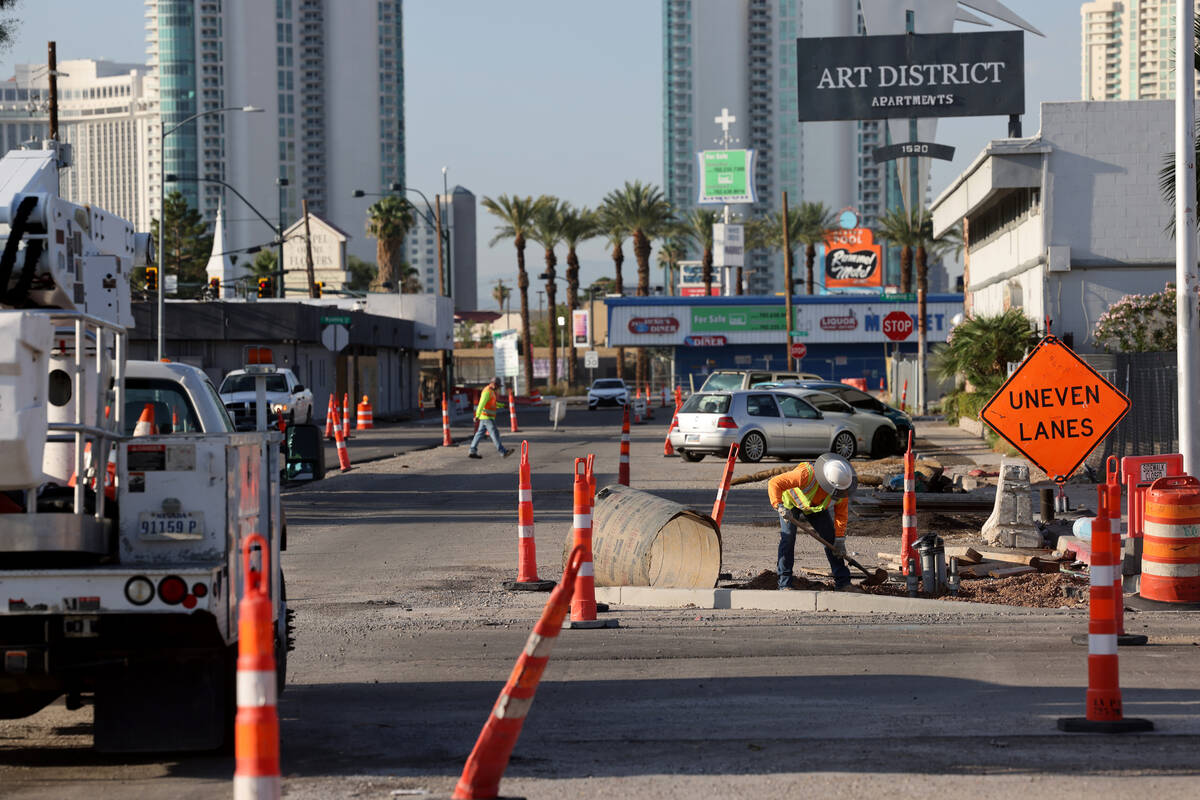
1138	323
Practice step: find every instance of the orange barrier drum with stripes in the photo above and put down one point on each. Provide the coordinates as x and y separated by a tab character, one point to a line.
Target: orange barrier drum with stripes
365	420
256	729
1171	541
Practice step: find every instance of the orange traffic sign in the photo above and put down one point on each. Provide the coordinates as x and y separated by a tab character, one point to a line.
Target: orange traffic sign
1055	408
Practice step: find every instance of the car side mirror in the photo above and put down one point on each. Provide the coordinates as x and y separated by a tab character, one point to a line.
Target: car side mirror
298	388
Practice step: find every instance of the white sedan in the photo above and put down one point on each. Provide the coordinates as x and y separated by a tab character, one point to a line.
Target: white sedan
607	392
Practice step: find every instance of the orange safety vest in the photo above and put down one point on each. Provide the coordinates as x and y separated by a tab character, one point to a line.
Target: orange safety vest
487	404
801	483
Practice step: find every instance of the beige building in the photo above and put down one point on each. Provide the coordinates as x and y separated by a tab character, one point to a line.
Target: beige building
1128	49
328	255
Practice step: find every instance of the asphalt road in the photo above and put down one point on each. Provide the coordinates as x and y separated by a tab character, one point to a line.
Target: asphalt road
404	638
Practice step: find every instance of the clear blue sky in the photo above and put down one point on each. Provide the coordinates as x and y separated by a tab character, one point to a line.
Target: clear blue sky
542	96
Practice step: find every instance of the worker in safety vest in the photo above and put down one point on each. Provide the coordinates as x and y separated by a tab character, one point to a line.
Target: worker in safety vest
485	412
809	490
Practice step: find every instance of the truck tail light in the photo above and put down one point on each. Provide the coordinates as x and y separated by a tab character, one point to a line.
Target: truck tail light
139	590
199	589
172	590
727	422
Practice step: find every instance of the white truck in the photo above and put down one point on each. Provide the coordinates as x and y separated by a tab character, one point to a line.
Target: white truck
120	542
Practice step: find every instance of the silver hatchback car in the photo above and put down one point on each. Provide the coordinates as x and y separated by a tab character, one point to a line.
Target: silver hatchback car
777	423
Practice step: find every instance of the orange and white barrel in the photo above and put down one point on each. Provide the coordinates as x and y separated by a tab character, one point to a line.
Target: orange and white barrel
365	420
1171	541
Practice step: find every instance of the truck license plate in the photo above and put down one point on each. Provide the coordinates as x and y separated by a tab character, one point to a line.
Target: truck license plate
163	526
81	627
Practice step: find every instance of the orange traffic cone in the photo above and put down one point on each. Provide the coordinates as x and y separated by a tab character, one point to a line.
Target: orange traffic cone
512	413
1104	713
908	513
343	453
583	604
527	575
446	440
668	450
718	509
346	416
282	423
365	420
485	766
256	728
623	464
145	424
330	418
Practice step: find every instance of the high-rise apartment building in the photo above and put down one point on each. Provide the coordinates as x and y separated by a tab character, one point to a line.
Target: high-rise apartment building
741	55
1128	49
458	255
105	113
329	77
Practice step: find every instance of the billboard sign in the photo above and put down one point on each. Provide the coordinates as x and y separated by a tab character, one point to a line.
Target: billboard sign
852	259
729	245
911	75
504	353
691	280
581	327
726	176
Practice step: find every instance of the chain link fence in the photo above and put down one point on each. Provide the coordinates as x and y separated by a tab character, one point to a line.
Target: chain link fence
1151	427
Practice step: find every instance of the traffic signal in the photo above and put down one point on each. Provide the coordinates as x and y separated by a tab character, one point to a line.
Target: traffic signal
264	288
214	286
152	279
318	286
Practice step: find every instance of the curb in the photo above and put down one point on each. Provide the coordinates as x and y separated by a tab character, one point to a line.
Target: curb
769	600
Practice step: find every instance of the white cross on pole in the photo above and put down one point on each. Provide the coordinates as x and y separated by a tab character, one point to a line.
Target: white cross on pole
725	120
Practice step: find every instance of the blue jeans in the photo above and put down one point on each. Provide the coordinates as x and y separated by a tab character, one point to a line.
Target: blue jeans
487	426
822	521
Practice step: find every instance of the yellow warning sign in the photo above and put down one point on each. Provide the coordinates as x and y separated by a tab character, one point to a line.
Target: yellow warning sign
1055	408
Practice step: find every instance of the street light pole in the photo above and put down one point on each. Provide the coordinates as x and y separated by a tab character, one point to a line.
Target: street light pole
164	132
1187	346
283	182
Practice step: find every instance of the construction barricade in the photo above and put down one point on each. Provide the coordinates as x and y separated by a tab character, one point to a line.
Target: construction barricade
908	518
527	574
623	463
331	419
1171	544
718	509
1104	711
512	413
365	419
256	728
485	766
446	440
1137	473
1113	486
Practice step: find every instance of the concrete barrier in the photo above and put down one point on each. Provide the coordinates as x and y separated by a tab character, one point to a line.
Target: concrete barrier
1011	522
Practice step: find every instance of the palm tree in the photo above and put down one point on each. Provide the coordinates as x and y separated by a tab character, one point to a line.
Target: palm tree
501	294
410	280
902	230
613	229
646	214
548	231
578	225
980	348
389	220
516	219
815	219
670	253
697	225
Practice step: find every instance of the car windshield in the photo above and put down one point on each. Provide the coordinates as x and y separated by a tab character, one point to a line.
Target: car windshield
828	403
169	407
860	399
706	404
615	383
245	383
725	381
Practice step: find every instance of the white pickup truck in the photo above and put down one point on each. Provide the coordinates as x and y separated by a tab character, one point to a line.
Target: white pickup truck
285	395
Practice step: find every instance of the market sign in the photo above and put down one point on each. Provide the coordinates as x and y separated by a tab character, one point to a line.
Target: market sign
852	259
726	176
653	325
911	75
1055	408
704	341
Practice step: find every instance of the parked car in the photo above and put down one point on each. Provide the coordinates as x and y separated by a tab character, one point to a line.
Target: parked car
861	402
781	423
730	380
607	392
285	395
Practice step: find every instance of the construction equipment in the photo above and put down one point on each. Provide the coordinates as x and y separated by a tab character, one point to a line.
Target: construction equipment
871	578
124	599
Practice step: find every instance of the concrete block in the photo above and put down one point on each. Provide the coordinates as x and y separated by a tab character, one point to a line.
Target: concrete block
768	600
1011	522
664	598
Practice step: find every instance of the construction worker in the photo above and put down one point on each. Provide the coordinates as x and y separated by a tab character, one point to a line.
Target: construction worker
485	412
809	490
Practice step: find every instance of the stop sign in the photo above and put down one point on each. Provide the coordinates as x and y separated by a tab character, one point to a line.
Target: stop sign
897	326
799	349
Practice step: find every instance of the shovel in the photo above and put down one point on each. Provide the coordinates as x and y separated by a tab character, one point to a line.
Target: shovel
879	576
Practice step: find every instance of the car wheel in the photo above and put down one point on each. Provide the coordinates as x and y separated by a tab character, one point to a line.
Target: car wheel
883	443
845	445
691	457
753	448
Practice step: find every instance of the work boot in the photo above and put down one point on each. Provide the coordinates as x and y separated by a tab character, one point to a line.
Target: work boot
474	455
506	454
850	587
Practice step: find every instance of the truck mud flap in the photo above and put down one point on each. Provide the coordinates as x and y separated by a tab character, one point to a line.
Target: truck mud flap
177	703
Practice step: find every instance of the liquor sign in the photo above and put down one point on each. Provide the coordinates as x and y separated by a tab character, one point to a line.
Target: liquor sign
653	325
726	176
581	327
852	259
1055	408
911	75
729	245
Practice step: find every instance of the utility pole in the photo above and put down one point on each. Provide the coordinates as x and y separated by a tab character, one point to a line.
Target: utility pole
725	120
308	260
437	216
1187	282
52	70
915	209
283	182
787	283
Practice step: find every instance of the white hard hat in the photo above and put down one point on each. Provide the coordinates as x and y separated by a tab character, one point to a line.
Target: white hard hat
836	475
